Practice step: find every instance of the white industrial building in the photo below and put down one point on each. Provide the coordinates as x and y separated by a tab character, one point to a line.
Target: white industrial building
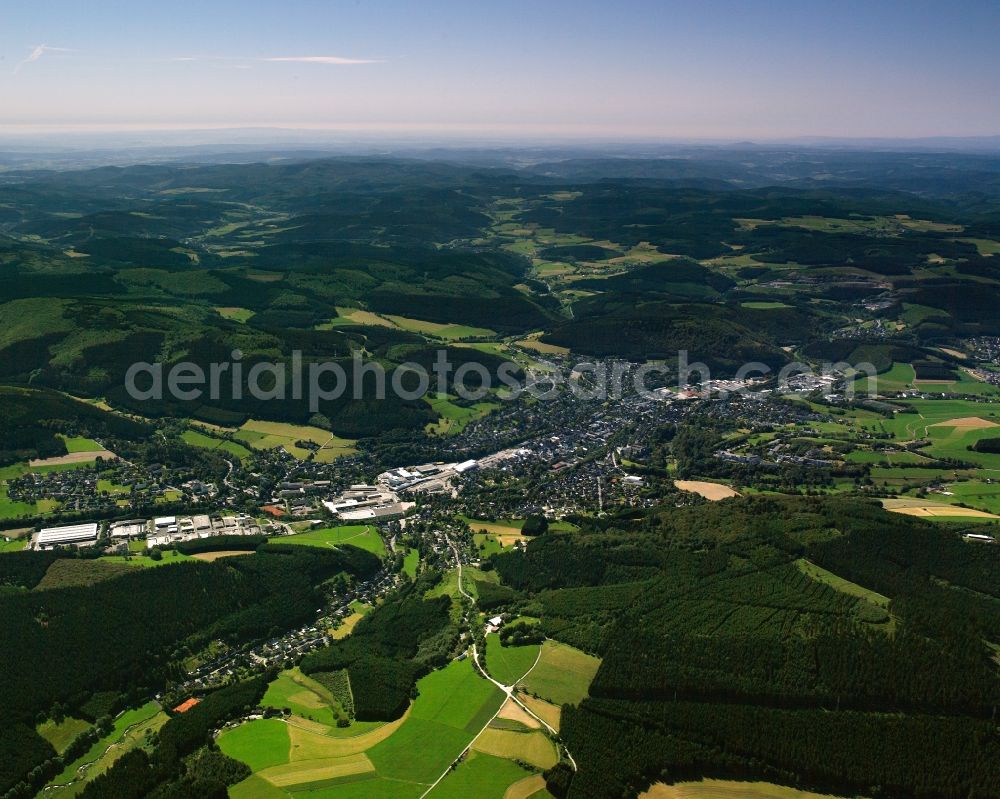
129	530
381	513
74	534
165	525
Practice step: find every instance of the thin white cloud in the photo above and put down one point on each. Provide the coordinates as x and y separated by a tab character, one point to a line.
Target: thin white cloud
324	59
37	53
335	60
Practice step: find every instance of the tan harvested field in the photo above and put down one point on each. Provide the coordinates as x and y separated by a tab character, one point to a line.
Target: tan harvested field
955	353
549	713
532	343
929	509
307	699
944	510
303	772
348	626
526	788
226	553
73	457
308	724
510	540
512	711
494	527
530	747
966	423
438	329
927	225
712	491
307	745
360	317
726	789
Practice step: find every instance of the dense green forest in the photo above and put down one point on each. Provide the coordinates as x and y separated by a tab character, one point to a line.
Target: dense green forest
722	657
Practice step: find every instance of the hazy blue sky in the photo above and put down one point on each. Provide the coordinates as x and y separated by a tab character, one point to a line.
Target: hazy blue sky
632	68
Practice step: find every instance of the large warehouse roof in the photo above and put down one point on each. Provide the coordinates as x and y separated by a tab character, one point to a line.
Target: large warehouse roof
72	534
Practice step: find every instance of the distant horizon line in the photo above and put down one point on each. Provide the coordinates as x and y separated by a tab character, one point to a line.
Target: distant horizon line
474	132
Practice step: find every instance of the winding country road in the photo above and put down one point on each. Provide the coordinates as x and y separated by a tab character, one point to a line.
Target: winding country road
507	689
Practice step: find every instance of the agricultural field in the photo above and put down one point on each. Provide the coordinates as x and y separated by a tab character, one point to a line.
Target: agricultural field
977	493
548	712
511	528
932	509
396	760
76	444
305	697
562	676
533	747
241	315
985	246
509	664
198	439
365	536
211	557
356	316
453	418
259	434
710	491
482	776
433	330
727	789
903	377
350	622
949	425
532	343
487	544
499	527
438	330
61	735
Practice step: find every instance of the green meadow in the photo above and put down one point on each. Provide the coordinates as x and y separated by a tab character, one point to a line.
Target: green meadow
364	536
563	674
399	760
508	664
481	776
198	439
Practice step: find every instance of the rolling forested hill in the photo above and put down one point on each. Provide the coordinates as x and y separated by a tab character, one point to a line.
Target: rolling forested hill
819	643
100	268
